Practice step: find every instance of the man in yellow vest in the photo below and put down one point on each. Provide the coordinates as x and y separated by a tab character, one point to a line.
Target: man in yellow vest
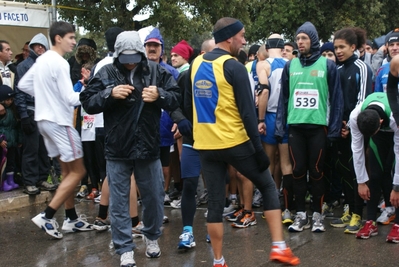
225	132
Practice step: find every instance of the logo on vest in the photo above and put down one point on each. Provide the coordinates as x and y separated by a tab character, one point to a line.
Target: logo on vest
317	73
203	84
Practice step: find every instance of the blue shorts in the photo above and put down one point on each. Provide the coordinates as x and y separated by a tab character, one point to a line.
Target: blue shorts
269	138
190	162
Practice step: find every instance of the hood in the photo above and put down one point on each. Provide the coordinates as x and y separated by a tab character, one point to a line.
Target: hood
310	30
128	40
82	49
155	34
39	38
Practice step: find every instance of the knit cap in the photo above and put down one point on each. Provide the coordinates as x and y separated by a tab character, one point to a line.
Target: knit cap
183	49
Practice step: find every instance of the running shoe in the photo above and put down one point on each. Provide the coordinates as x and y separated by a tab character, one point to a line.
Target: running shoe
257	199
301	222
318	225
165	219
98	199
78	225
393	235
166	199
284	256
220	265
381	205
83	192
175	194
387	216
208	238
328	209
101	225
137	229
354	225
228	210
176	204
186	240
46	186
127	259
344	220
152	248
368	229
94	193
204	197
233	216
50	226
248	219
287	217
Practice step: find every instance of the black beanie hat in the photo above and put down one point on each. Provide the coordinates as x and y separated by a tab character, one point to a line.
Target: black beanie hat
110	37
88	42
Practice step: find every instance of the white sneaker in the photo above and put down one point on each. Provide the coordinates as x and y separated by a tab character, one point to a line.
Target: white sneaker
78	225
127	259
176	204
387	215
50	226
152	250
318	225
228	210
137	229
167	199
97	199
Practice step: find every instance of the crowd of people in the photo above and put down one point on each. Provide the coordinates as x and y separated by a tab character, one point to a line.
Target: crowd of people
297	128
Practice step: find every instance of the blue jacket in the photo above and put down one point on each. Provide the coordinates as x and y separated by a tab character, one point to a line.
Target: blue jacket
382	78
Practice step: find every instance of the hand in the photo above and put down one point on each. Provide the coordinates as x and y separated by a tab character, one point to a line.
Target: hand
262	128
363	191
150	94
85	74
262	160
28	125
185	127
345	130
3	144
122	91
394	199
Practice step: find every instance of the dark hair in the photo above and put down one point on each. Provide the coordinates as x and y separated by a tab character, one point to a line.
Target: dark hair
242	57
292	44
27	43
368	122
223	22
353	36
1	44
60	28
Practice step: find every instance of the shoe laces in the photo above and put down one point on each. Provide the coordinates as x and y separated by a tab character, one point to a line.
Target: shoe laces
152	244
185	236
355	220
127	256
83	217
54	222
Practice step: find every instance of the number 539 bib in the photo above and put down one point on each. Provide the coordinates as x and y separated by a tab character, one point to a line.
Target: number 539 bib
306	99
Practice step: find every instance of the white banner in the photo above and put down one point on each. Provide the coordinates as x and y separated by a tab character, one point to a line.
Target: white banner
14	16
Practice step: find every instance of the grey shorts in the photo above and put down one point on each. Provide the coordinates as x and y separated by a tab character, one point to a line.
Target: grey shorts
62	141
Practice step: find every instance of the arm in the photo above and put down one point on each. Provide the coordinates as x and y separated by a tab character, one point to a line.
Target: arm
20	97
263	71
336	101
392	88
359	156
65	86
378	87
394	199
26	82
188	97
378	58
282	109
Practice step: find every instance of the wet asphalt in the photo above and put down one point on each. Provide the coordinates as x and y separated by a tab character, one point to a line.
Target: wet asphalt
24	244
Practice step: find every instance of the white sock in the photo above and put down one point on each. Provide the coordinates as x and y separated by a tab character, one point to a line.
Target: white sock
220	261
280	244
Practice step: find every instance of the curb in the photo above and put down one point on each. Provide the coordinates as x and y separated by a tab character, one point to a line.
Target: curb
17	199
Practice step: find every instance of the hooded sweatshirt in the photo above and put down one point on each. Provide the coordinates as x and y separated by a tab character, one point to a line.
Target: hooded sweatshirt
156	34
335	99
24	101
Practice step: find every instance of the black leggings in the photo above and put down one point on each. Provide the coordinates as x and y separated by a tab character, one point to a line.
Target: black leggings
188	201
307	151
345	171
242	158
381	162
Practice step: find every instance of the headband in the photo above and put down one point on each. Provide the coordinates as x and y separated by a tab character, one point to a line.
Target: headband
274	43
228	31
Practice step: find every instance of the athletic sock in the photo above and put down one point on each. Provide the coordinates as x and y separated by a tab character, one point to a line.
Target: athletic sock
103	212
50	212
71	214
135	221
220	261
280	244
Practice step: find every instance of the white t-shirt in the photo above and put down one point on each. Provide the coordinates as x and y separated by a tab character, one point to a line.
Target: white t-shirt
48	80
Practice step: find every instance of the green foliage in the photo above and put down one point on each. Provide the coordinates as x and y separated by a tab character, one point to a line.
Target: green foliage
192	18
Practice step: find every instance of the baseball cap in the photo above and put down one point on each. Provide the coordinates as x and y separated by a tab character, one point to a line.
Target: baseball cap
129	57
153	40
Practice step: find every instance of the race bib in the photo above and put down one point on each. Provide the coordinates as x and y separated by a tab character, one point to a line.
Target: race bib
306	98
88	121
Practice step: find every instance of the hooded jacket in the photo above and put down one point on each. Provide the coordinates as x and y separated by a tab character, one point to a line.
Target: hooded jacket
24	101
334	88
131	126
156	34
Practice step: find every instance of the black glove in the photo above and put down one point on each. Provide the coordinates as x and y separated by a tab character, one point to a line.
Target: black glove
185	127
262	160
28	125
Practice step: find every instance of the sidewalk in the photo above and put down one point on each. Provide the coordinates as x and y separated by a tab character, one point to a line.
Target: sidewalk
17	199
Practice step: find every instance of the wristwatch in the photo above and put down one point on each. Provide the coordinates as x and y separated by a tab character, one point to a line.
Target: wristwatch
395	188
263	120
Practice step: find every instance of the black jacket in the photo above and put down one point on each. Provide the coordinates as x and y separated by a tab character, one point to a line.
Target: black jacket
131	126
